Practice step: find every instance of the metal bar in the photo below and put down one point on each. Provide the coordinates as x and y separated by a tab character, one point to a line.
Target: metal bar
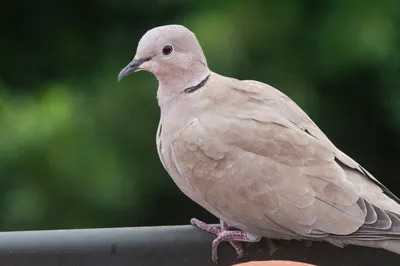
164	245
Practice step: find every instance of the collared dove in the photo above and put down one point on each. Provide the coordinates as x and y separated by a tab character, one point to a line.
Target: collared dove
248	154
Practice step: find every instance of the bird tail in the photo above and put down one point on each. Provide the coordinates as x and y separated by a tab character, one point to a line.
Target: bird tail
380	230
392	245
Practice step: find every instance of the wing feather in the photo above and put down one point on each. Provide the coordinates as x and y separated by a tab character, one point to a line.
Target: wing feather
271	178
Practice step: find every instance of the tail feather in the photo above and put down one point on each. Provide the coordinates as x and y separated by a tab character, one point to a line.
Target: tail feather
388	244
381	230
391	245
386	223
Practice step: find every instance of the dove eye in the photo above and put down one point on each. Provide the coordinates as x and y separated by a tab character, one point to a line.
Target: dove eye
167	49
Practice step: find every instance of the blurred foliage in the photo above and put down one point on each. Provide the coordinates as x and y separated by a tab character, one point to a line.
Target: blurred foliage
77	149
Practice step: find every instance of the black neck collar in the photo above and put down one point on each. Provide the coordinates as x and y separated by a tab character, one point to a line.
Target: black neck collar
196	87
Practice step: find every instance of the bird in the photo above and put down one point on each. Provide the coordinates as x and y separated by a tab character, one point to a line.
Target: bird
248	154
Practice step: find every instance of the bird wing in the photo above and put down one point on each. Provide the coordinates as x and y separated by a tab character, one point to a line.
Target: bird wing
382	206
365	181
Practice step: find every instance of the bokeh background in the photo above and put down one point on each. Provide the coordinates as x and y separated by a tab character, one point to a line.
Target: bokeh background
77	149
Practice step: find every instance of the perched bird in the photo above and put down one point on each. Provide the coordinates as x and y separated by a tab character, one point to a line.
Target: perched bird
249	155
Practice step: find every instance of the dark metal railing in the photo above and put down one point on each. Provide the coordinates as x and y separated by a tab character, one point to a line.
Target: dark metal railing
164	245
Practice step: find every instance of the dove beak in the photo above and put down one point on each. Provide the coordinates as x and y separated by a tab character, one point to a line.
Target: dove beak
131	67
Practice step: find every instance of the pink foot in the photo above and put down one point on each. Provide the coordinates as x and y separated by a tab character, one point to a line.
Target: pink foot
225	235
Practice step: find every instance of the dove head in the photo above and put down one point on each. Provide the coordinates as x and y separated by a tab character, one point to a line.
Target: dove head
173	54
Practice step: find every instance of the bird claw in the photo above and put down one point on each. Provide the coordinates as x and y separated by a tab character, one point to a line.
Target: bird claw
225	235
307	243
272	248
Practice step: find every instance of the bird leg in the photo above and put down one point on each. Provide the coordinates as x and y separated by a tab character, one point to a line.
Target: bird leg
307	243
271	246
225	235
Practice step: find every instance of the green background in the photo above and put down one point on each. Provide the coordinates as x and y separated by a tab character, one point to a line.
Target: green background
77	149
